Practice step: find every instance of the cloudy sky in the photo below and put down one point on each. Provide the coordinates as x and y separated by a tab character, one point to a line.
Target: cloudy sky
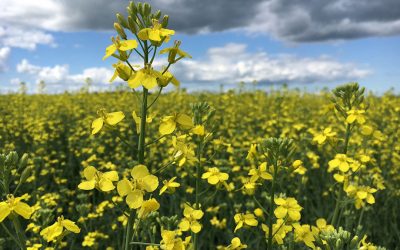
304	43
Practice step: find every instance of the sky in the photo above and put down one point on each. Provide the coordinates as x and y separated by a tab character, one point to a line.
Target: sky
307	44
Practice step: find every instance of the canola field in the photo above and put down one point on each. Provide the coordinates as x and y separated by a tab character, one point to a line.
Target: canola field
219	171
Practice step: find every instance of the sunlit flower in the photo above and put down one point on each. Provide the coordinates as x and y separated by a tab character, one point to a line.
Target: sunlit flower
52	232
99	180
14	205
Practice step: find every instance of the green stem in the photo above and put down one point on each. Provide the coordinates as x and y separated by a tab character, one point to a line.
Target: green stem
11	236
128	232
198	166
20	233
336	216
271	208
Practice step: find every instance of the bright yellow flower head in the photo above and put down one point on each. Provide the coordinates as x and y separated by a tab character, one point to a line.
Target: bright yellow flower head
14	205
169	123
356	115
303	233
322	225
99	180
287	207
52	232
236	244
155	34
174	51
279	231
247	219
260	172
169	186
321	137
142	181
147	77
121	46
361	194
148	207
341	161
107	118
252	152
214	176
190	220
170	241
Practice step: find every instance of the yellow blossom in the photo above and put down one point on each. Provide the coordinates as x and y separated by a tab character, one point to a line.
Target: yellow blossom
321	138
147	207
247	219
169	186
190	220
214	176
52	232
147	77
260	172
287	207
120	46
303	233
341	161
99	180
108	118
156	33
142	181
14	205
169	123
355	115
279	231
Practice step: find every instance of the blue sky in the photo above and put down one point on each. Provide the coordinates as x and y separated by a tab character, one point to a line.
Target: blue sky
64	52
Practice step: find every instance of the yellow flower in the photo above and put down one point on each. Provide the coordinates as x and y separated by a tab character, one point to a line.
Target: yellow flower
321	138
167	78
355	115
287	207
155	34
361	193
214	176
169	123
120	46
260	172
134	189
247	219
279	231
122	70
252	152
323	226
190	220
303	233
363	245
298	167
169	186
148	207
198	130
170	241
14	205
52	232
249	186
174	51
236	244
341	161
99	180
108	118
146	77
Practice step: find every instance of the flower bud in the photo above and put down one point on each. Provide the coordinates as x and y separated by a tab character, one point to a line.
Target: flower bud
146	9
11	159
157	15
140	8
164	22
23	161
120	30
25	174
121	20
132	25
132	10
123	73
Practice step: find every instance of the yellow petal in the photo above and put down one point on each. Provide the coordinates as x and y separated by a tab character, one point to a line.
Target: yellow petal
124	187
89	172
143	34
109	51
23	209
195	227
114	117
184	225
128	45
167	127
139	172
134	199
149	81
185	121
50	233
97	125
111	175
4	210
87	185
280	212
135	80
150	183
106	185
213	180
70	226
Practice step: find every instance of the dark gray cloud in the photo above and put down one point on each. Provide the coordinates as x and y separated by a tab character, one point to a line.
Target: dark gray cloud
288	20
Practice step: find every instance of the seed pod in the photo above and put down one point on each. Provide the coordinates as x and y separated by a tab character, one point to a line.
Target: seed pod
11	159
146	9
132	25
25	174
23	161
121	20
120	30
164	21
157	15
132	9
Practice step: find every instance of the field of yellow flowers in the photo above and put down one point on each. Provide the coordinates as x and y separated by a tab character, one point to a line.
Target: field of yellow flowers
236	175
142	169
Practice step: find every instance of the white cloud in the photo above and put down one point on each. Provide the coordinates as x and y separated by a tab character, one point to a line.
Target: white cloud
13	36
232	63
4	54
60	75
